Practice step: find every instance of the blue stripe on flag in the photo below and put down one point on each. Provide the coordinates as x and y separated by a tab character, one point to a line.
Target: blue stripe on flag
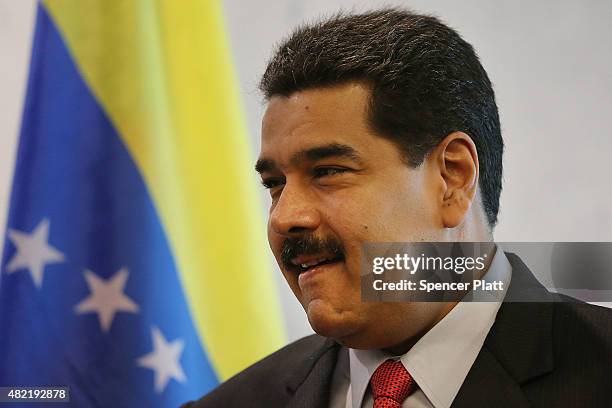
75	178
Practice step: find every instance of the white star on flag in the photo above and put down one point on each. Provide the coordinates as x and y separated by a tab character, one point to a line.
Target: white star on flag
164	360
33	251
107	298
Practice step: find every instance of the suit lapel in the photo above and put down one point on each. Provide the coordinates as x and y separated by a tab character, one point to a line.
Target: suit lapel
311	385
489	384
521	338
517	349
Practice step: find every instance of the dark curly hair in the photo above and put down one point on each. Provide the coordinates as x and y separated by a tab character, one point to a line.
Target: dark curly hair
425	80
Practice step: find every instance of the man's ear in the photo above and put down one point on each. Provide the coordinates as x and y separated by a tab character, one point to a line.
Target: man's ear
457	159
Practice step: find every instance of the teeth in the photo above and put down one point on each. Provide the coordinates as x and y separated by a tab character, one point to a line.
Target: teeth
309	264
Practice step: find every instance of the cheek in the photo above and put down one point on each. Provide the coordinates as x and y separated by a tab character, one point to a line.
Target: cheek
367	221
403	213
356	217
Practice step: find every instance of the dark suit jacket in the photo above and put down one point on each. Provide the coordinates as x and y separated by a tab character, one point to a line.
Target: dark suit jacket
546	354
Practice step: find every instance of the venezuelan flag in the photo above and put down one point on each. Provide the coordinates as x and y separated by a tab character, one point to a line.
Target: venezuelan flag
134	269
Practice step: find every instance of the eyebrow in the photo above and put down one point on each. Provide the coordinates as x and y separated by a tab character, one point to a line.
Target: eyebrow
313	154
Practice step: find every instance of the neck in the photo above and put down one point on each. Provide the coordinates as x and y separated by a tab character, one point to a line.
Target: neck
443	308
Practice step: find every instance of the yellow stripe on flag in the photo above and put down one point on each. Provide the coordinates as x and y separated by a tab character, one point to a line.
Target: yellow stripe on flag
162	72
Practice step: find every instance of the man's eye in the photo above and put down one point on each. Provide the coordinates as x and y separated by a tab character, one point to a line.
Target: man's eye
328	171
272	182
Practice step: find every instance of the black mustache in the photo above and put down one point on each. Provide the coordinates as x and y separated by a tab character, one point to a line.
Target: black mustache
308	245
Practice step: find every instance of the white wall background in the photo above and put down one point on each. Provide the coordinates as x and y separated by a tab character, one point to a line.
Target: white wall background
551	65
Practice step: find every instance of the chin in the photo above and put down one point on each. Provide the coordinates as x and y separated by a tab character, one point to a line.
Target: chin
333	322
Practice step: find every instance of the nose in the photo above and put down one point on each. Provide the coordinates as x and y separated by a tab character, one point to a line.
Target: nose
295	212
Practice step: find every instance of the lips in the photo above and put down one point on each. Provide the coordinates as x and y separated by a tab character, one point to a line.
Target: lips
307	253
304	263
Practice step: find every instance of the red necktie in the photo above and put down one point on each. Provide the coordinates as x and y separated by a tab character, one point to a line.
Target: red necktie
391	385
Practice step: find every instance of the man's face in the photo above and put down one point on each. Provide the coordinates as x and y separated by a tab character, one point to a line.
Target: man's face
336	185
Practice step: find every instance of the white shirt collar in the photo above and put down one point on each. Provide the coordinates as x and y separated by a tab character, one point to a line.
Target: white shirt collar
441	359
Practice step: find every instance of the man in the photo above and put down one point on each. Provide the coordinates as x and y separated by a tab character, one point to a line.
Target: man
383	127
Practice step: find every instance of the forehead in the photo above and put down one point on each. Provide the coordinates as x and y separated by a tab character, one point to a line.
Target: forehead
314	116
